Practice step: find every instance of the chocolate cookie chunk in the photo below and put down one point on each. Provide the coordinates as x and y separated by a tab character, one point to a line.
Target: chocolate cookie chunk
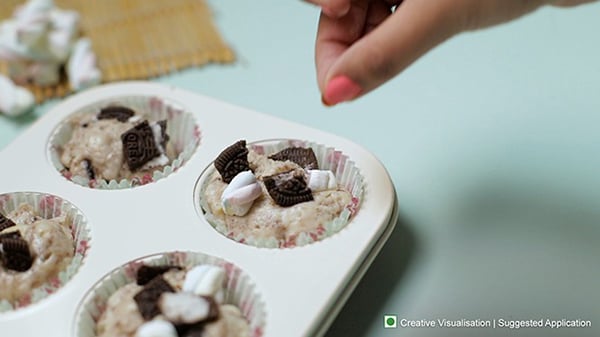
5	222
16	255
190	330
146	273
139	146
10	235
232	160
120	113
305	157
288	189
147	298
89	169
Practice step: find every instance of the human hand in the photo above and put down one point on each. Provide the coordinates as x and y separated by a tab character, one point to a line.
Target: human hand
361	44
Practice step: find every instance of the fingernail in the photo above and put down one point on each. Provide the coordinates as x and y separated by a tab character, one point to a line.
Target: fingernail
340	89
335	14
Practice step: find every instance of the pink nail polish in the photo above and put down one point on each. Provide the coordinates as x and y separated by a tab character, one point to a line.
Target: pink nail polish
340	89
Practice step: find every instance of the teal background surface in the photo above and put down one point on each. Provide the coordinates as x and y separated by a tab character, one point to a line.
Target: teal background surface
491	141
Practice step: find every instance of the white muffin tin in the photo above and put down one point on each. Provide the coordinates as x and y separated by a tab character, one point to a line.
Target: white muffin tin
302	288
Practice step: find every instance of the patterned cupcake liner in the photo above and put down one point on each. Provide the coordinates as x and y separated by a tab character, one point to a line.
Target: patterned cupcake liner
239	290
49	206
347	175
184	137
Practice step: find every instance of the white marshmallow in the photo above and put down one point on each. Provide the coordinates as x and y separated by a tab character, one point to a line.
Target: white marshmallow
10	47
156	328
239	195
14	100
60	44
32	23
205	280
65	27
31	30
37	40
64	20
321	180
81	67
184	307
33	7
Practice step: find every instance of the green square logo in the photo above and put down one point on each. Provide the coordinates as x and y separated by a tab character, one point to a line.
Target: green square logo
390	321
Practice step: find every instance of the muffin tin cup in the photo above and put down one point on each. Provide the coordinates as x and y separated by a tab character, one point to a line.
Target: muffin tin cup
348	176
49	206
184	138
239	290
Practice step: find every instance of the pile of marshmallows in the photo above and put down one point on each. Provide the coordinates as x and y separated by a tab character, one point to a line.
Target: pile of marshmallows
36	43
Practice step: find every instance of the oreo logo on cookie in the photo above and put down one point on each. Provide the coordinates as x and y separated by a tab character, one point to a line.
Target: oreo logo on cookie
288	189
139	146
232	160
305	157
120	113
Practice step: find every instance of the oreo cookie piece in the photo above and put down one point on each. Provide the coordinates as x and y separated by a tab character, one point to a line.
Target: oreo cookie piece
16	255
10	235
120	113
139	145
305	157
5	222
288	189
147	298
146	273
232	160
187	330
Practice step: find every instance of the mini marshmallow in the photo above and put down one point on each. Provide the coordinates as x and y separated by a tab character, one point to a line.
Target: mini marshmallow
185	308
14	100
12	50
65	26
60	44
321	180
156	328
33	7
31	30
37	40
205	280
10	47
32	23
239	195
81	67
64	20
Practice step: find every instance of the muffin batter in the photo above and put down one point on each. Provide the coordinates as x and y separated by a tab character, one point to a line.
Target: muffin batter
266	219
51	246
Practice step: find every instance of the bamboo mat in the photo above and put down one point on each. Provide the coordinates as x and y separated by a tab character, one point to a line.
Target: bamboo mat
140	39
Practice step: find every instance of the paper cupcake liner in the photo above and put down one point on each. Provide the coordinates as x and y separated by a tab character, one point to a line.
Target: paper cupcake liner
239	291
184	137
347	175
49	206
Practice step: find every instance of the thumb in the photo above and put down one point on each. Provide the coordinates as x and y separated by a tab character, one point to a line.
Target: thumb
411	31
